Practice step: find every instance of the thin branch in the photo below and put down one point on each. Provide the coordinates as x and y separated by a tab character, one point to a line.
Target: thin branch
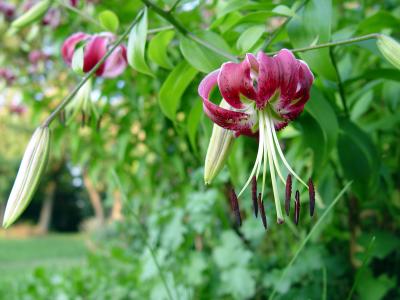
332	44
340	83
88	75
156	30
174	6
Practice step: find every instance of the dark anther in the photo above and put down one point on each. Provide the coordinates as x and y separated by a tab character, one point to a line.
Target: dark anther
288	194
235	207
311	192
254	195
297	208
262	211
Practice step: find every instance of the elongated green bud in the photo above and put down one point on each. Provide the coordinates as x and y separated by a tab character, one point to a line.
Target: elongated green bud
32	15
30	171
390	49
218	150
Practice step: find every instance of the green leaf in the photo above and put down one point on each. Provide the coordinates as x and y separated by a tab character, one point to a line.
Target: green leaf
284	11
374	288
361	106
322	132
359	159
158	48
193	123
202	58
375	23
109	20
173	87
249	38
137	45
313	22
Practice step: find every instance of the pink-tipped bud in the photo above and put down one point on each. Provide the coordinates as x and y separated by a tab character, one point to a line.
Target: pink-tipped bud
311	192
254	195
235	207
288	193
297	208
262	211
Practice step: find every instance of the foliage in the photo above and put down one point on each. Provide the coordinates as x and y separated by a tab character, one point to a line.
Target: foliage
151	131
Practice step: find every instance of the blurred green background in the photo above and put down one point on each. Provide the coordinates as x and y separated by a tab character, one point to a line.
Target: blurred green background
122	211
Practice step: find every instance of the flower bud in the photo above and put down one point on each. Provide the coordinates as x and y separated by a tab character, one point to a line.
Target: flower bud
30	171
218	150
390	49
32	15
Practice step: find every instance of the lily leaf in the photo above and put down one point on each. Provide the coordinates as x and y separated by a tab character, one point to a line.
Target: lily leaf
158	48
174	87
137	45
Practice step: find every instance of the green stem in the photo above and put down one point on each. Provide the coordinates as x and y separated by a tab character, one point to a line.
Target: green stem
82	14
88	75
174	6
178	26
340	83
332	44
143	234
156	30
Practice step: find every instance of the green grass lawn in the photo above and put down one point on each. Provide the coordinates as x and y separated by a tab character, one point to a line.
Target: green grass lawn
19	257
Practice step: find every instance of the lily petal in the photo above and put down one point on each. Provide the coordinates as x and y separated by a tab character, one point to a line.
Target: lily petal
239	122
268	79
95	49
115	63
234	79
68	47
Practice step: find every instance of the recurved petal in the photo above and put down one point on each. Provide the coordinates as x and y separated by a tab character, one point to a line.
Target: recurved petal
68	47
268	78
288	73
115	63
239	122
234	79
95	49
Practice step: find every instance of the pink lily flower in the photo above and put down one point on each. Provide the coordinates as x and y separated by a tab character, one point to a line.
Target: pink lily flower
263	95
7	9
95	47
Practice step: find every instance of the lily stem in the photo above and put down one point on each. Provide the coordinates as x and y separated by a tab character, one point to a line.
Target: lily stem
90	74
332	44
340	83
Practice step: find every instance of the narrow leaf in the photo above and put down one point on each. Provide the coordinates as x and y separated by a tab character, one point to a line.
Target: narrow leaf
137	45
158	48
249	38
109	20
173	88
200	57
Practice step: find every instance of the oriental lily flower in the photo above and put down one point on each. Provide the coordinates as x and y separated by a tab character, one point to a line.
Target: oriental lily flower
95	47
261	95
